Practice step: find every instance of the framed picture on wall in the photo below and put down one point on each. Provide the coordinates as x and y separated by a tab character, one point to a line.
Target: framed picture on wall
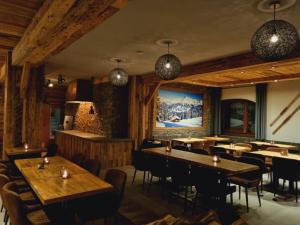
178	109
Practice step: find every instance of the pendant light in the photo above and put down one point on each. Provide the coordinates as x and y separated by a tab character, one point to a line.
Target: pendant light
118	76
168	66
275	39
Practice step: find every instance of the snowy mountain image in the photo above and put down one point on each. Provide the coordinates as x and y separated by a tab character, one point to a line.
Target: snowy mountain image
179	109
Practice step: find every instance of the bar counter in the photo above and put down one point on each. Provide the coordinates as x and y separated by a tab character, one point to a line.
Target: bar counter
110	152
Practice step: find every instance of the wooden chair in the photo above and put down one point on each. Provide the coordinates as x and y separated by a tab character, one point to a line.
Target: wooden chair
105	205
3	180
207	144
249	179
279	150
16	211
92	165
140	163
78	159
246	145
286	169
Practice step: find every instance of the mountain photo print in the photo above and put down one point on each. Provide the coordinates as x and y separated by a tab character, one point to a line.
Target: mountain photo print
176	109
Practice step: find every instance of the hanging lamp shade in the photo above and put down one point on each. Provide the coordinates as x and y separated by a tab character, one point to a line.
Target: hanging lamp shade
168	67
275	40
118	77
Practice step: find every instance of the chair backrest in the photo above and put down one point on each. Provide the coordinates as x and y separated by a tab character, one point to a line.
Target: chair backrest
139	159
200	151
52	149
208	143
254	161
3	180
92	165
246	145
253	155
178	169
215	150
227	156
78	158
13	204
117	178
288	169
181	147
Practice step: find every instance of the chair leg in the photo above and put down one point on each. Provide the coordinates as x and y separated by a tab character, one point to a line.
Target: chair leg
185	198
296	191
144	179
258	195
261	184
2	207
246	191
231	199
239	192
150	183
133	176
283	185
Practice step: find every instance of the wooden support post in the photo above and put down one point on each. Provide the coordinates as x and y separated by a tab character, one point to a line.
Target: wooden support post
33	107
132	114
25	79
12	106
153	90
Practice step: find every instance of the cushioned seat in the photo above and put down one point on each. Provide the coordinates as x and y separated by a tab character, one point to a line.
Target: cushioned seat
38	217
28	197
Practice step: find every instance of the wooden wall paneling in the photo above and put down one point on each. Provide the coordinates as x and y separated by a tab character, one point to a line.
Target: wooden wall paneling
132	114
25	77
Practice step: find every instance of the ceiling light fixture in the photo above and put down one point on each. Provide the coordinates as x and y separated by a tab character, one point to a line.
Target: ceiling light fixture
275	39
168	66
60	79
118	76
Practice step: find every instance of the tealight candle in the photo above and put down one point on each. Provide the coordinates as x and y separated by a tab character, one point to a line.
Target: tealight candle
46	160
64	173
216	158
26	146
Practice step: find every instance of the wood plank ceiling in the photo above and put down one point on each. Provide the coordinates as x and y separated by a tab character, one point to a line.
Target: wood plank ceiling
15	16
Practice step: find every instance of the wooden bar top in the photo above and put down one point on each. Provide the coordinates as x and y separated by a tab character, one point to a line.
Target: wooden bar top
277	154
228	166
51	188
260	143
90	136
16	151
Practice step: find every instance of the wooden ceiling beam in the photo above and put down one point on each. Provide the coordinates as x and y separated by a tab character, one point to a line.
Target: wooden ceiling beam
231	63
262	80
11	29
58	25
16	9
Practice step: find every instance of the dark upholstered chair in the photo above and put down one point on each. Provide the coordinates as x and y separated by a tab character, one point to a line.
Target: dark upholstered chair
158	168
200	151
148	143
52	149
92	165
249	179
211	184
140	163
286	169
105	205
227	156
181	176
78	159
16	210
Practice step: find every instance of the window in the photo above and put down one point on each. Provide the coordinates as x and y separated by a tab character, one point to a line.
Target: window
238	117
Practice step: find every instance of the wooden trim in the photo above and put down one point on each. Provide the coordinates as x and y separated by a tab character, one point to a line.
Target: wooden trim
153	92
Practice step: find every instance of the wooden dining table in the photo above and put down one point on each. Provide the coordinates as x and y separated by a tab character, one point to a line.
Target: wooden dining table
50	187
217	138
188	140
227	166
264	143
234	148
15	152
271	154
